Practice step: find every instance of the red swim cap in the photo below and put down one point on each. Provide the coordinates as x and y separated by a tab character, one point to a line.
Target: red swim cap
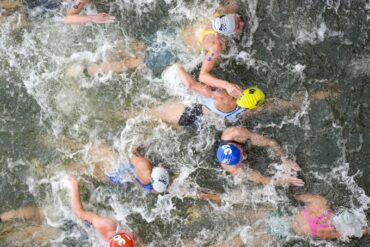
122	239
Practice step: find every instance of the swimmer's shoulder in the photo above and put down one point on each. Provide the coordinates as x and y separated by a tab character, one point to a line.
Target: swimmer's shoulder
190	32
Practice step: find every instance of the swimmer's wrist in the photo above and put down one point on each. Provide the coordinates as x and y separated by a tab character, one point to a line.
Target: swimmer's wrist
226	84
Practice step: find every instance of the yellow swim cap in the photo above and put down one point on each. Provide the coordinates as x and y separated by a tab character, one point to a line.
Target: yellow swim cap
251	98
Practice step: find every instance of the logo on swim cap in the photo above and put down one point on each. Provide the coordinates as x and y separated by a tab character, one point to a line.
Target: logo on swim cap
228	154
160	179
224	24
251	98
121	239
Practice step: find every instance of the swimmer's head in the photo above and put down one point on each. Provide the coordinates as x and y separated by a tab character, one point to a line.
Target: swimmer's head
228	24
122	239
160	179
251	98
349	223
229	154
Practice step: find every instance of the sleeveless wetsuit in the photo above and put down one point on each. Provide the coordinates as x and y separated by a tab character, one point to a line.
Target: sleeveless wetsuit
117	176
192	114
147	187
231	116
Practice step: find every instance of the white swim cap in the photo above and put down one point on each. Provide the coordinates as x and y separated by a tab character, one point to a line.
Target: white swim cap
224	24
160	179
348	223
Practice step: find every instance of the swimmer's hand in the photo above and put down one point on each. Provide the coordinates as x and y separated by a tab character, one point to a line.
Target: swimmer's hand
290	164
73	180
102	18
290	181
233	89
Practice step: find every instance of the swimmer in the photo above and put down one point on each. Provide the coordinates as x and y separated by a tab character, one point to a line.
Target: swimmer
105	226
142	171
153	55
73	15
317	220
210	38
218	102
231	154
149	177
108	168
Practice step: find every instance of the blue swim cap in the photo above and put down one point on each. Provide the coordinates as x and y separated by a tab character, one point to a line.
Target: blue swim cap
228	154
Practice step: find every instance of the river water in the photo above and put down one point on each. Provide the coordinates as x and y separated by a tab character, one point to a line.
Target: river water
288	48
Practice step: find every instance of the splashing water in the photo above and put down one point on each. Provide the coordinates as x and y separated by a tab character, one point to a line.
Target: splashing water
289	49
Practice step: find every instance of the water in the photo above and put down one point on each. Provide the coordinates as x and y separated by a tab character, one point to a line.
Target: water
290	48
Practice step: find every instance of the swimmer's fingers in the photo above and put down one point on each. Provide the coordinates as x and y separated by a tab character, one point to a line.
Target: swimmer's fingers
237	91
293	181
233	90
291	164
103	18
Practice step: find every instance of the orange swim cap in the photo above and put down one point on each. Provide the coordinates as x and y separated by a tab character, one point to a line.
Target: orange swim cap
121	239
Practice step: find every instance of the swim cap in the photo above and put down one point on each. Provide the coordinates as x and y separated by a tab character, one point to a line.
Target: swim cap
251	98
349	223
121	239
224	24
160	179
228	154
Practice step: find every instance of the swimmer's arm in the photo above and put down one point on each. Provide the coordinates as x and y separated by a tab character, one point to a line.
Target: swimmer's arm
77	206
240	134
206	77
73	17
237	134
257	178
211	196
234	170
21	213
193	85
270	105
328	234
264	141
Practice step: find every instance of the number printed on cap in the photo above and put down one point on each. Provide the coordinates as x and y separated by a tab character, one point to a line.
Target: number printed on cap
227	149
119	240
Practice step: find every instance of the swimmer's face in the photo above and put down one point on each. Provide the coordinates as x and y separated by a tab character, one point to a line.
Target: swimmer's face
238	24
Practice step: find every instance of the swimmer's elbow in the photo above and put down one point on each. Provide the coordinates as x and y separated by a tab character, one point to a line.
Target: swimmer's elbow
218	49
79	212
191	86
69	19
203	76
